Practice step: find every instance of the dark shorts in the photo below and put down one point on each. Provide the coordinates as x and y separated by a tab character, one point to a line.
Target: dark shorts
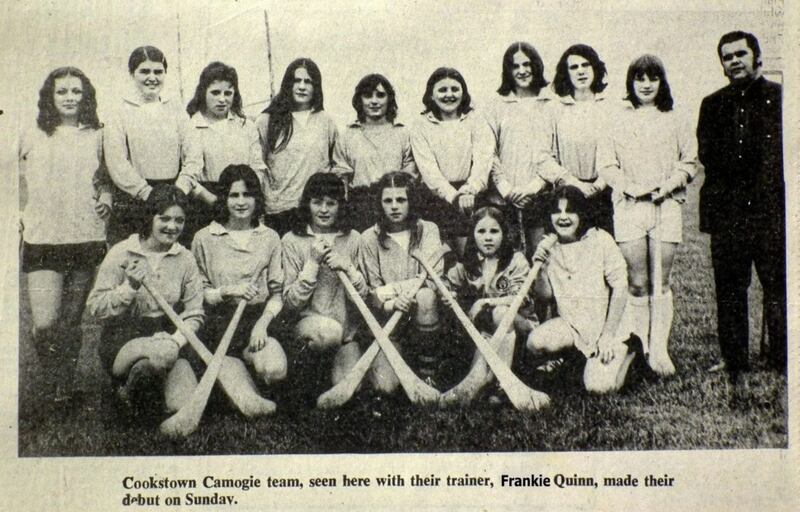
119	331
62	257
217	320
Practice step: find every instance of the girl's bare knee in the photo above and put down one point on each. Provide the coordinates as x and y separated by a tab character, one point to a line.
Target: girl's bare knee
384	383
319	332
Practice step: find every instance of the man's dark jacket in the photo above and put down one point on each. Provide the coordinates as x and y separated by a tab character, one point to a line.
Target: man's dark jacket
740	144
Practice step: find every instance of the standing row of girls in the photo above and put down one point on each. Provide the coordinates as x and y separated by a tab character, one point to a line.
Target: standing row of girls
509	159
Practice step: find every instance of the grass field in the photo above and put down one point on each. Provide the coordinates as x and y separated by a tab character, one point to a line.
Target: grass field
689	411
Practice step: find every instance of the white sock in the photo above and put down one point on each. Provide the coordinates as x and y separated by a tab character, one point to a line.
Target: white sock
659	356
636	320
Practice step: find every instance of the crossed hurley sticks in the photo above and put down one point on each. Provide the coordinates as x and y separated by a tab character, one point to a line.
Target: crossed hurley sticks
521	396
187	419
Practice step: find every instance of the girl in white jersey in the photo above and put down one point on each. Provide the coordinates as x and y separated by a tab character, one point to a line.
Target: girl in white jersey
297	140
143	140
585	273
68	202
648	158
391	272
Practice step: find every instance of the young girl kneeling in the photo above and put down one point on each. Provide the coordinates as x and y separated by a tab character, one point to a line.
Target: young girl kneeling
136	346
488	278
390	269
319	245
586	274
230	252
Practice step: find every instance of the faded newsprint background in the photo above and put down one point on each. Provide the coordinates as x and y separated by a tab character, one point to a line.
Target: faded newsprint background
405	40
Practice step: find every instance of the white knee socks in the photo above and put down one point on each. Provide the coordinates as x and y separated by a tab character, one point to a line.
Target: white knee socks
636	320
662	312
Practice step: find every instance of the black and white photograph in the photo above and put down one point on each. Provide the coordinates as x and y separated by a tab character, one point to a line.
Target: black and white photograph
399	255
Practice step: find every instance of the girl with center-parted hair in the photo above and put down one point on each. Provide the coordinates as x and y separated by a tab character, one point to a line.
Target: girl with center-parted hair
66	204
584	272
142	140
139	346
486	281
297	139
371	146
453	150
648	157
391	272
580	118
218	135
523	164
230	252
319	245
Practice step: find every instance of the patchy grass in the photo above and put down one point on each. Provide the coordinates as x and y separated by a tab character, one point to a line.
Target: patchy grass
689	411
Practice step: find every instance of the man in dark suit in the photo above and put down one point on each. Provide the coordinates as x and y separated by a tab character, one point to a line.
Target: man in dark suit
742	204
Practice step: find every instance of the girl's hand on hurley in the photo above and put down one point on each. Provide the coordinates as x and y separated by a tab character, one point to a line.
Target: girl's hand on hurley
136	270
336	261
319	250
605	349
246	291
446	300
476	309
403	303
542	252
102	210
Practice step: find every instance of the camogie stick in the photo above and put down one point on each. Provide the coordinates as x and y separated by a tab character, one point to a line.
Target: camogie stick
658	356
344	389
522	397
416	389
187	419
240	394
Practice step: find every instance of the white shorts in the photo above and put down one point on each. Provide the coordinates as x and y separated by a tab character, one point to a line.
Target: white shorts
636	219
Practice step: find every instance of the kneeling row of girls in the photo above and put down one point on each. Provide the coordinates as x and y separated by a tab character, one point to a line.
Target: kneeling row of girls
237	257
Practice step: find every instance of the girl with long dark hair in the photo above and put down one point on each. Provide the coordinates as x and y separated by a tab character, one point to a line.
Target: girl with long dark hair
390	270
486	281
64	219
580	118
230	252
371	146
297	139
